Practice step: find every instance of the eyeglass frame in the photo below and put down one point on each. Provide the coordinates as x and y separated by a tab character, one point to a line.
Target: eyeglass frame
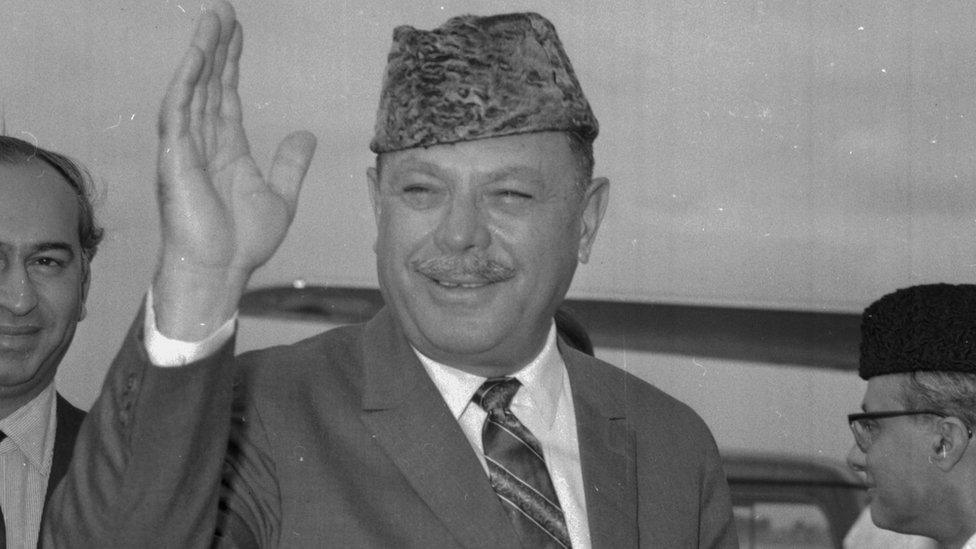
858	417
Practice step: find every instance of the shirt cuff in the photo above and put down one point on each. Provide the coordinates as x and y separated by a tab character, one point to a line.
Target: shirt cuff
167	353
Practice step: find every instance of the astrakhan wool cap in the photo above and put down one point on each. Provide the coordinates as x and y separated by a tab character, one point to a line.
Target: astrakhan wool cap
922	328
478	77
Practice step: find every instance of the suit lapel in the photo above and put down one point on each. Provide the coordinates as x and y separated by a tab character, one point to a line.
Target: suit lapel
606	452
66	428
413	424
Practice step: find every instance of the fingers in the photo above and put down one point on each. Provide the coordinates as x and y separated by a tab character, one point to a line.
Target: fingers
230	106
174	115
212	37
228	29
290	164
205	39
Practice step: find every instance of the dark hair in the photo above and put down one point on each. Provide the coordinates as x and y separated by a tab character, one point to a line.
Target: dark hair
18	152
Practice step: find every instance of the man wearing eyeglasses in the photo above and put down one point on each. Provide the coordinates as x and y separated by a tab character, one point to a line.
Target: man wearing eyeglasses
913	442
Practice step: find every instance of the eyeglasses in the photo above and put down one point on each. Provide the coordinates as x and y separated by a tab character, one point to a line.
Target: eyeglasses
864	425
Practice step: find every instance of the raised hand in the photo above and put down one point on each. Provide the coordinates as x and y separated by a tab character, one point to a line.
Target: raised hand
221	219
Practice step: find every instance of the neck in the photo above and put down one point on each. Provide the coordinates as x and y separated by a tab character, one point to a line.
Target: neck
964	528
11	403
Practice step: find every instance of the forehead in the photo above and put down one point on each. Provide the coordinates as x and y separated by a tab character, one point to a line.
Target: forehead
546	153
883	393
36	205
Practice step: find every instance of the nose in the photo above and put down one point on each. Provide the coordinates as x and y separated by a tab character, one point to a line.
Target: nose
855	458
17	292
463	226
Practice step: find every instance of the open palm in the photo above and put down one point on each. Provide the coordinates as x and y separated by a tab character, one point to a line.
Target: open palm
221	218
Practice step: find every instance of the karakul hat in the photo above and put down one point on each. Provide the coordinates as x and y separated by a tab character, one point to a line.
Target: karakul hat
922	328
478	77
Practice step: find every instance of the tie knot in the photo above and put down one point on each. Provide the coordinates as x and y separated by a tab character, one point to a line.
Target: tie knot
496	394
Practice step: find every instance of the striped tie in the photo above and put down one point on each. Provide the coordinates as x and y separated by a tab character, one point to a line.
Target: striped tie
517	469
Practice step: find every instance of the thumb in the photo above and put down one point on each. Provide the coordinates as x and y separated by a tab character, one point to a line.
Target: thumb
290	164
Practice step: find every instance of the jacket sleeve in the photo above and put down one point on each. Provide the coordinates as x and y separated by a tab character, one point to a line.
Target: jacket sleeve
147	464
717	526
250	504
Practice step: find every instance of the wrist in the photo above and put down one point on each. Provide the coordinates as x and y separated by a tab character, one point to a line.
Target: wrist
192	302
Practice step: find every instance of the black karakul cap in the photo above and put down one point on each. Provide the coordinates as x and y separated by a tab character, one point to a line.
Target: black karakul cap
930	327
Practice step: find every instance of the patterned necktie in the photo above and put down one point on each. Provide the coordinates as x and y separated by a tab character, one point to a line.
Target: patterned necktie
517	469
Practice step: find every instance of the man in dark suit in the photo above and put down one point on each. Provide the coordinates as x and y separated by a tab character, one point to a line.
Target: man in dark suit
454	418
48	237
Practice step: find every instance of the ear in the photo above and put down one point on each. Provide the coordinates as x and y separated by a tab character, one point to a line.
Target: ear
952	443
374	190
595	199
85	283
374	196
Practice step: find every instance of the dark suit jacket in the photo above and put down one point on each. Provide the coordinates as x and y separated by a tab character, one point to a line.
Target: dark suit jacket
343	440
68	422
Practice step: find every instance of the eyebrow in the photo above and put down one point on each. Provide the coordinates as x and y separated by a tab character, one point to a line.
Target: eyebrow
421	166
54	246
525	173
46	246
522	173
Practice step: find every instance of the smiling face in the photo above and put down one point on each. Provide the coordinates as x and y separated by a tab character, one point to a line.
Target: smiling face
43	280
902	482
478	242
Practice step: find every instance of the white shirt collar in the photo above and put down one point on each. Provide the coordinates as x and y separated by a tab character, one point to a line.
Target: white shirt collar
28	428
541	380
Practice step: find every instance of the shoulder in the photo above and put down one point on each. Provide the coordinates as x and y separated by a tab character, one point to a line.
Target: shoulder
336	356
289	389
649	411
331	352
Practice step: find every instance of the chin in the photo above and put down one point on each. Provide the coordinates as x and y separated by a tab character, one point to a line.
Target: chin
11	375
882	518
462	339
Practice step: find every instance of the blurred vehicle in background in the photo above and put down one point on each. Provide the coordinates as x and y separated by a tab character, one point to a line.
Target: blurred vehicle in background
784	501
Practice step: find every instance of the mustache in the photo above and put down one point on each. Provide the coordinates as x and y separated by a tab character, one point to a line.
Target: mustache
464	267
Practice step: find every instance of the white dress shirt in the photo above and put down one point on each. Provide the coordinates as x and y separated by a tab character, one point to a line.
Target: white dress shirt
25	466
544	404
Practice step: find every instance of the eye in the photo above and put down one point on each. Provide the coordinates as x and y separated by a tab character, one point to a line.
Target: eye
416	189
514	195
511	199
514	191
420	195
48	264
